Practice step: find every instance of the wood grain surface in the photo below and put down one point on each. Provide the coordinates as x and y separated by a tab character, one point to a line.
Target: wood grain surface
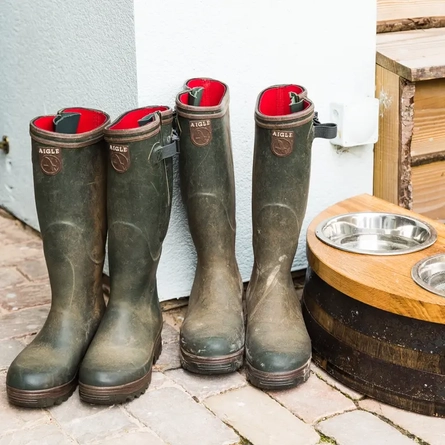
386	150
429	119
413	55
429	190
403	15
403	9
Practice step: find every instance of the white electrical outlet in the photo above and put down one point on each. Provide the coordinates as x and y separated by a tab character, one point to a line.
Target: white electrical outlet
357	122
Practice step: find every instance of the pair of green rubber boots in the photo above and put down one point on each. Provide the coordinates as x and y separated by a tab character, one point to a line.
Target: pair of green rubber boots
91	176
269	333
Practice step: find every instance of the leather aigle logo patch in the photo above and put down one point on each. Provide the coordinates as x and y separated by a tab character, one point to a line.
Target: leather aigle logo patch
201	132
120	157
282	142
50	160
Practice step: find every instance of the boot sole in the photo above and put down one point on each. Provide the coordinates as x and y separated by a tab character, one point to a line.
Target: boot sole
212	365
111	395
41	398
277	380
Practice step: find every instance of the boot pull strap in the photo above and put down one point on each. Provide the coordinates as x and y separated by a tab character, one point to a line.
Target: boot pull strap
296	103
167	151
66	123
325	131
195	96
147	119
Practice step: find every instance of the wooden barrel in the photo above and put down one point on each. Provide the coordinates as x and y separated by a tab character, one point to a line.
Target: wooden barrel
372	327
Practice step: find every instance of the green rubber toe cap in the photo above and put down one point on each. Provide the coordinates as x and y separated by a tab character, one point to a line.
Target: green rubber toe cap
37	378
275	362
112	377
210	346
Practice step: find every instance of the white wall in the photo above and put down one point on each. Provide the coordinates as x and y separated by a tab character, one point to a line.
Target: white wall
54	54
327	46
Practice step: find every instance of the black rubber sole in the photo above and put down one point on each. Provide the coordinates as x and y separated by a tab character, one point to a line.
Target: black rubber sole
212	365
111	395
277	380
42	398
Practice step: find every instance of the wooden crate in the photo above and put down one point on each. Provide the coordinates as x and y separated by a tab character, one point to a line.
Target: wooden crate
409	158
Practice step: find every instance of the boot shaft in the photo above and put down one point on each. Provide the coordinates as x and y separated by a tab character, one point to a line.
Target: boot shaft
140	179
285	126
137	168
70	193
206	167
64	165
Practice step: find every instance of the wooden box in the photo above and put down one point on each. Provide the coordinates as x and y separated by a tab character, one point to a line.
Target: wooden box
409	158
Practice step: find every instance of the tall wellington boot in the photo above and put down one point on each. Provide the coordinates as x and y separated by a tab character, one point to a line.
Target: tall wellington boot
278	348
118	364
69	163
212	335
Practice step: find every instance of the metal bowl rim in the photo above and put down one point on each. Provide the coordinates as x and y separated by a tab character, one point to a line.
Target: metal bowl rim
427	243
418	280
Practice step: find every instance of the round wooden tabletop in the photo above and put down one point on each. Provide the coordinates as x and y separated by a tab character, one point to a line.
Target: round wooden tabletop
381	281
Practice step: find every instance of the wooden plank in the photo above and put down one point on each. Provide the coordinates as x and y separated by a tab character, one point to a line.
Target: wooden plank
403	15
428	182
414	55
403	9
383	282
386	150
429	119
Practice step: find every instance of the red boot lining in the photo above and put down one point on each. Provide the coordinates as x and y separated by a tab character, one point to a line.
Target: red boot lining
131	119
212	95
45	123
275	101
89	120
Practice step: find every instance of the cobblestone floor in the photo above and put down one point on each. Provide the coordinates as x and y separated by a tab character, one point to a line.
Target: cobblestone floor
180	408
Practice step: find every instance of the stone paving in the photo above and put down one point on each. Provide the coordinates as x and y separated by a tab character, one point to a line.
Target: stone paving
180	408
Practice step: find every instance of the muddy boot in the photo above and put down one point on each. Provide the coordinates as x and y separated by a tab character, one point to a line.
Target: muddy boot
278	348
212	335
118	364
69	163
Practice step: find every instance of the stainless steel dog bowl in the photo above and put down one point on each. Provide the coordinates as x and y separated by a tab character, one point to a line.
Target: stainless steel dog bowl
430	274
376	233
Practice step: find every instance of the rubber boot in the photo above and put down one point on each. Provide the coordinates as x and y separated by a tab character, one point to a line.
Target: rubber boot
69	164
278	348
118	364
212	335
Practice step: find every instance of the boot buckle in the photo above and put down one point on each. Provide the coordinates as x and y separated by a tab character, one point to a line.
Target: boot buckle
167	151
